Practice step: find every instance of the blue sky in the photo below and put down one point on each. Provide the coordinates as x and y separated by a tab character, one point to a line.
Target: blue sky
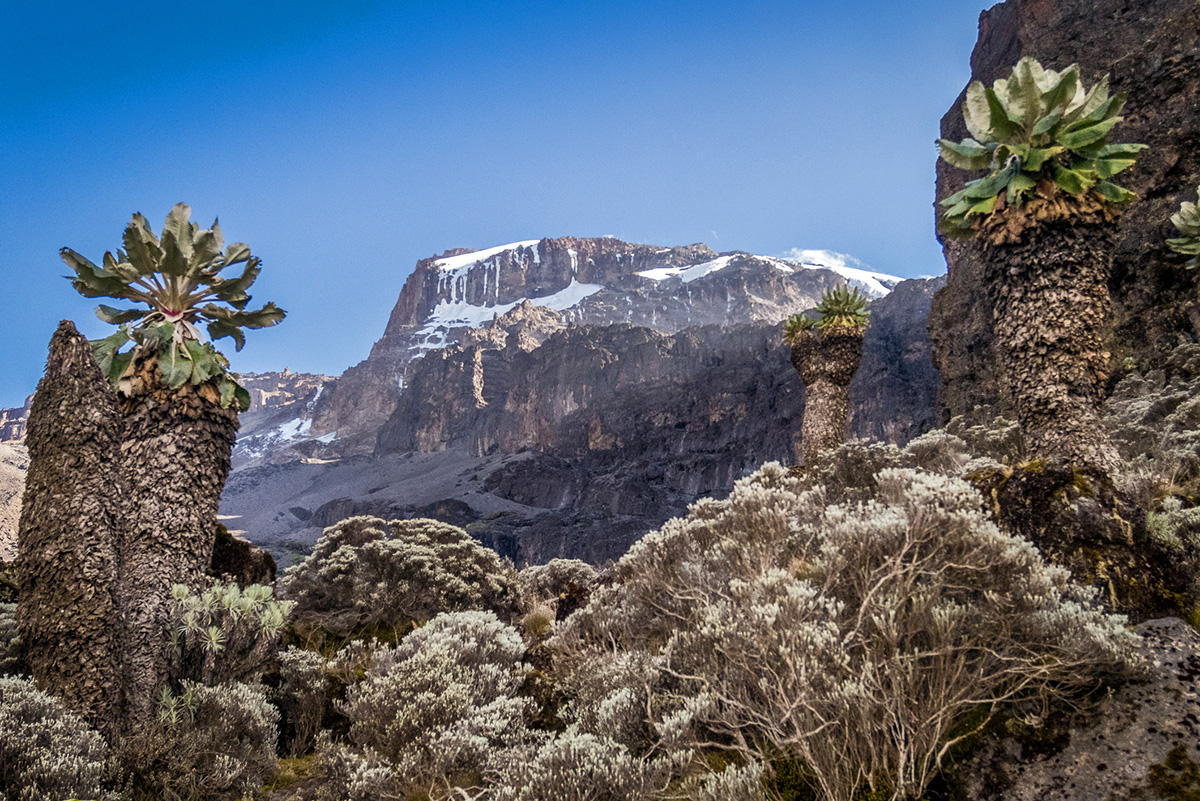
344	141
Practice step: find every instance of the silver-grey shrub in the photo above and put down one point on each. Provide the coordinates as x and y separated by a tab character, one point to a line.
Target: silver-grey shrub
556	578
367	576
1155	423
438	715
208	743
301	697
854	637
11	660
47	753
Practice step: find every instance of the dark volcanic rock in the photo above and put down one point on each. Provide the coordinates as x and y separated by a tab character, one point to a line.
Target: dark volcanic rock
1151	49
238	561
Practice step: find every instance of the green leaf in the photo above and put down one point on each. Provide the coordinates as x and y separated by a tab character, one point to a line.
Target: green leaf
966	155
204	366
120	363
1037	158
155	335
142	246
1072	181
1107	168
174	262
1019	185
1004	127
118	316
90	281
180	229
227	389
1081	137
105	350
1096	97
242	397
1058	96
984	206
265	317
1113	193
1024	94
218	329
175	365
977	113
1186	245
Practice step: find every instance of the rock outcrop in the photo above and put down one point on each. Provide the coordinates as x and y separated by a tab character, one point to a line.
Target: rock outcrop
1151	50
12	422
1142	742
14	461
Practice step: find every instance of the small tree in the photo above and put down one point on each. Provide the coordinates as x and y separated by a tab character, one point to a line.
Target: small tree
1044	218
826	352
179	406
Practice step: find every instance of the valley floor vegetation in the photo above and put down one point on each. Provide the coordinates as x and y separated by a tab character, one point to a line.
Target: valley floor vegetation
843	632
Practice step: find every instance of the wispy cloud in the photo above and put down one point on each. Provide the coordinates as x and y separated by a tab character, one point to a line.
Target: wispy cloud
824	258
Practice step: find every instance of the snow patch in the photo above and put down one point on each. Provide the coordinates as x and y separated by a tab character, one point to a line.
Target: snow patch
460	314
453	263
872	284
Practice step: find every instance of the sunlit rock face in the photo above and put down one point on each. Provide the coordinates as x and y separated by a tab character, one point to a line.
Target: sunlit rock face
1149	51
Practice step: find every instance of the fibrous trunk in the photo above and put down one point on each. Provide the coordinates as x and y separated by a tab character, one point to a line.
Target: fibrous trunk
826	363
1049	293
175	457
68	536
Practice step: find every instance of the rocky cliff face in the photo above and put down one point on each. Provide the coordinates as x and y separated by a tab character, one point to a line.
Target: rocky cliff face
14	461
12	422
590	281
1151	49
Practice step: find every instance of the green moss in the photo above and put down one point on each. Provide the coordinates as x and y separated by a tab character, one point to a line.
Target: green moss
289	772
1177	778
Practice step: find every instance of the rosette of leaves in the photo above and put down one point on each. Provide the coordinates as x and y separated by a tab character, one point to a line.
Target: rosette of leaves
1187	221
1038	133
841	310
178	279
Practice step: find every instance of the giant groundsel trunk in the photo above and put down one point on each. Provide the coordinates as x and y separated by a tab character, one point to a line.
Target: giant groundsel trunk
68	541
1049	292
826	363
175	455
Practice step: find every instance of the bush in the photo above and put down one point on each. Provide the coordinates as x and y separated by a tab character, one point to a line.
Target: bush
47	753
301	697
1155	424
208	743
581	767
564	584
852	637
439	711
225	634
367	577
12	662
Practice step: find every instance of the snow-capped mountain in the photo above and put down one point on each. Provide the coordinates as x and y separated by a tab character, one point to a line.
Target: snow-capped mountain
602	281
